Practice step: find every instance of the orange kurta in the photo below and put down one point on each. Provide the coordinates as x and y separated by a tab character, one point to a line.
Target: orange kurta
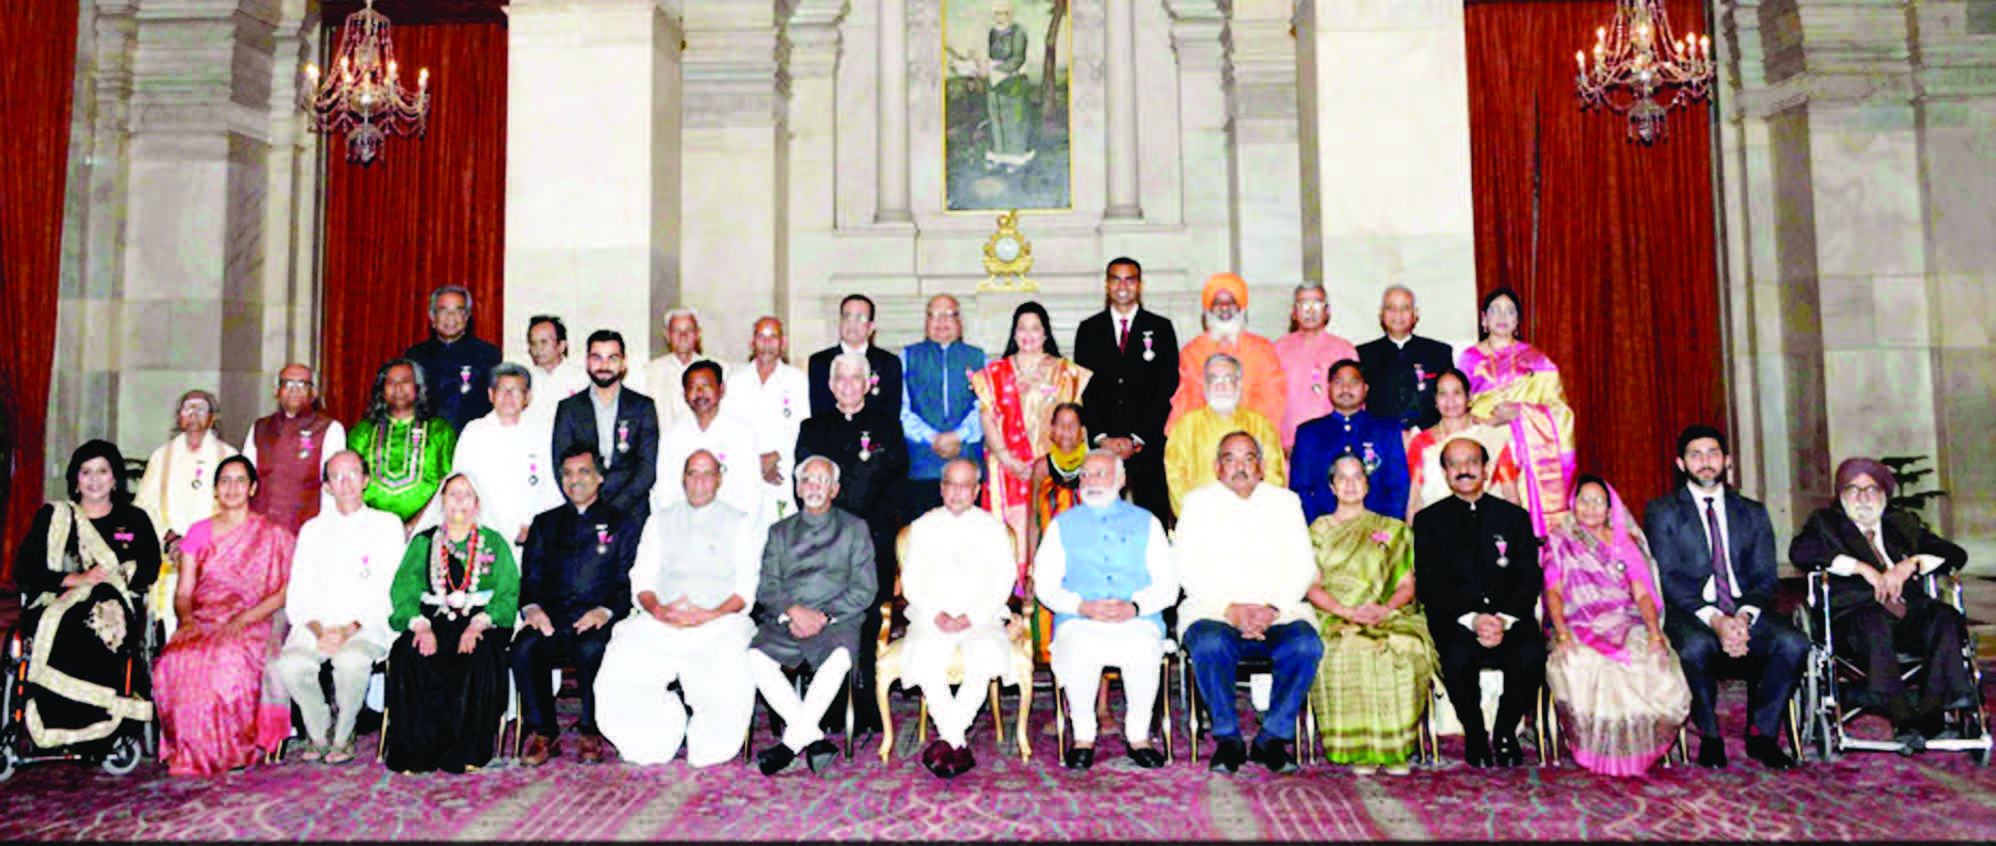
1264	389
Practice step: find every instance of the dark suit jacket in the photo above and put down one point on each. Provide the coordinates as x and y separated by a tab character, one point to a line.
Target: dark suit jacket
1675	526
1127	395
627	481
562	571
1455	561
885	394
1829	534
1392	390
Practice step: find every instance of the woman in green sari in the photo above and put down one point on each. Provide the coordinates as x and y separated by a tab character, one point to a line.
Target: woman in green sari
1378	656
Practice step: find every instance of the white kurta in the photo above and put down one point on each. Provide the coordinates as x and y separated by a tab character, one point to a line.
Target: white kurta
341	569
957	564
568	378
1083	648
732	440
776	408
1251	551
516	477
178	489
662	383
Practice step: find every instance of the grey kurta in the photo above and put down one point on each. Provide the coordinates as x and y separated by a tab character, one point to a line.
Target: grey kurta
823	562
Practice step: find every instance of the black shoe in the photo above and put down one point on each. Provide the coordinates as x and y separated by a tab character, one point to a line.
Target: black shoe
1712	753
774	759
1767	751
1273	753
1229	753
1505	751
1147	757
961	760
820	755
1080	758
937	758
1476	752
1939	726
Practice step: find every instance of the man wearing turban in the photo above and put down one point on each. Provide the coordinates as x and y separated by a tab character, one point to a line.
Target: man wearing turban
1263	390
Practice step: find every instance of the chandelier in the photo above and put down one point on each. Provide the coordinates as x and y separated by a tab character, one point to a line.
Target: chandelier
363	93
1637	54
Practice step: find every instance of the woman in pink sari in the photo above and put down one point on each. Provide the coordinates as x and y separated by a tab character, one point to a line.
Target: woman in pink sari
1016	395
1615	681
1514	385
218	709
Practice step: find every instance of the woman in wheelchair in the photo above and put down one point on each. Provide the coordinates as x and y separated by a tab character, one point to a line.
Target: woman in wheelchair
83	569
1877	559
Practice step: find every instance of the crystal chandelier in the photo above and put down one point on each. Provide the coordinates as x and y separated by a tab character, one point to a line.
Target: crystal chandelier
1637	54
363	94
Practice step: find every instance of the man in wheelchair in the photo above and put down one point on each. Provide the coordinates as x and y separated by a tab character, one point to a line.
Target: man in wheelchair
1877	561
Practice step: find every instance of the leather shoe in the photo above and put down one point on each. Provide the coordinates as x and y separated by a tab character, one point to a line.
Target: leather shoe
772	760
1082	757
1476	752
592	749
961	760
1228	755
1910	740
1768	752
820	755
1147	757
540	748
1712	753
1273	753
1505	751
937	758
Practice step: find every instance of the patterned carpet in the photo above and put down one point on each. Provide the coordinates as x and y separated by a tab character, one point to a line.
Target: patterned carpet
1937	796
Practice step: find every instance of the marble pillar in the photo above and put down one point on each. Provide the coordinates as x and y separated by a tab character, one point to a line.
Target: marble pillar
1125	198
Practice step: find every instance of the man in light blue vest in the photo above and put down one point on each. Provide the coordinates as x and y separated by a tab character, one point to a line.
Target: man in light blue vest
1105	570
938	410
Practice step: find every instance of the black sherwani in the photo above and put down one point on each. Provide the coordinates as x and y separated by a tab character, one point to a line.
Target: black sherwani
456	375
885	393
1401	380
866	485
1871	634
632	467
1482	558
572	563
1130	396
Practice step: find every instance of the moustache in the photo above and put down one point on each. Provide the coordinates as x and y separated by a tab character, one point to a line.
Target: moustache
1467	476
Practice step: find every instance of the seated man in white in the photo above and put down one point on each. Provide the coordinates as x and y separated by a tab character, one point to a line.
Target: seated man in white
694	579
957	577
1104	569
338	606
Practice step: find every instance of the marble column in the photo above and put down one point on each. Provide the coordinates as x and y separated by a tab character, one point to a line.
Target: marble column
1124	199
1267	184
592	169
892	114
812	61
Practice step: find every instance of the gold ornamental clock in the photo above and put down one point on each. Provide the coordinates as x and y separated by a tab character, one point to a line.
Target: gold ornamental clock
1008	257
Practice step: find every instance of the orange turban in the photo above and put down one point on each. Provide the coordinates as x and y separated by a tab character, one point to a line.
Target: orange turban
1229	282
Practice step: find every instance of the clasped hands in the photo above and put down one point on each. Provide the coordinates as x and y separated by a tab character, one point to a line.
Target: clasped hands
1108	610
680	612
804	622
1888	586
1734	631
1251	620
1489	630
426	637
538	620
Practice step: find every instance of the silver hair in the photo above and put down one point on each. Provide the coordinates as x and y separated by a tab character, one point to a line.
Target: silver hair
507	368
848	359
1105	452
1222	358
799	471
1310	286
718	463
680	311
459	290
976	466
1411	300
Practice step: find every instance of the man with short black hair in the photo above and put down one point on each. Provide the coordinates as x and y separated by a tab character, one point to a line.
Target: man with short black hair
506	455
557	375
620	423
709	426
856	337
1349	428
1133	353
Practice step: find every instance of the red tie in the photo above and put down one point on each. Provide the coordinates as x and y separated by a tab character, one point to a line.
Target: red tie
1123	336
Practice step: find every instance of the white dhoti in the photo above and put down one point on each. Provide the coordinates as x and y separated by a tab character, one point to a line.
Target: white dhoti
1083	648
800	714
646	721
926	656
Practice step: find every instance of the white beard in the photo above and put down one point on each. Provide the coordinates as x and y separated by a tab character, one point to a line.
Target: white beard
1864	514
1223	407
1226	331
1097	497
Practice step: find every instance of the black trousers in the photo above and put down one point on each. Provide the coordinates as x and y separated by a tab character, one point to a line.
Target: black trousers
1872	638
535	657
1146	481
1521	655
1776	653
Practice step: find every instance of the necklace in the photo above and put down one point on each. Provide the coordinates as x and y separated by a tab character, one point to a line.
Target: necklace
455	593
404	475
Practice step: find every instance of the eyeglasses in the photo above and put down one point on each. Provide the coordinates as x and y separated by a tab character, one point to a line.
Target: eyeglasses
301	384
453	311
855	318
946	315
195	408
1864	491
1312	306
1223	380
346	477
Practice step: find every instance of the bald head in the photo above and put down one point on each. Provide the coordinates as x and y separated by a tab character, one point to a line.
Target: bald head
296	389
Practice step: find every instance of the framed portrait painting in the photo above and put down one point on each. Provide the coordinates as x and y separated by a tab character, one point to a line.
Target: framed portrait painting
1005	105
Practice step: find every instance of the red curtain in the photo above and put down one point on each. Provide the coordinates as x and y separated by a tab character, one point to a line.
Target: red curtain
430	211
1609	243
37	76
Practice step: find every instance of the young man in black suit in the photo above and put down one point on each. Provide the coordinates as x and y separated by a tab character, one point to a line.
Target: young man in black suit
620	423
1402	366
1133	354
856	336
1719	601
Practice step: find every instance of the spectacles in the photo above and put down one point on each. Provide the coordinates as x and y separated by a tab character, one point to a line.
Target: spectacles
1224	380
345	477
301	384
1312	306
1864	491
855	318
946	315
194	408
454	311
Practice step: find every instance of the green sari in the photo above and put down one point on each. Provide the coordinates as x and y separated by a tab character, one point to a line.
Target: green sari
1373	680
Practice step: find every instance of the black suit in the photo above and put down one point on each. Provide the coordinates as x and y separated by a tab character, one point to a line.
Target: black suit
884	395
1457	571
457	376
1870	633
1398	389
632	467
1130	396
1776	650
568	569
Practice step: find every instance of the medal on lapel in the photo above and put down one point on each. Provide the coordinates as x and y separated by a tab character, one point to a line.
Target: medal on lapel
602	538
623	436
1149	354
365	570
464	379
1371	461
200	472
873	385
533	470
865	446
786	406
304	444
1502	545
1420	377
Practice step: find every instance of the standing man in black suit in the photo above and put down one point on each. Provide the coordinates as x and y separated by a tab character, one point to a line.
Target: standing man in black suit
456	364
883	392
620	423
1719	600
1134	356
1401	367
1476	571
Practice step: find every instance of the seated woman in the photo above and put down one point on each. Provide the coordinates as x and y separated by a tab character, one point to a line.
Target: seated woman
1426	483
1515	386
1378	656
1614	678
218	709
82	568
1879	604
454	599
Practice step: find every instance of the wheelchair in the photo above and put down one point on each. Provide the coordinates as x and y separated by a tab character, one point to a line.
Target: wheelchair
1830	681
118	753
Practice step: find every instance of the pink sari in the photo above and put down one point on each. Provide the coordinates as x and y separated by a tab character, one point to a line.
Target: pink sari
218	708
1541	434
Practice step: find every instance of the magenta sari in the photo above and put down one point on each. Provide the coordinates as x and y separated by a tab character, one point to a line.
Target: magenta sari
218	709
1541	434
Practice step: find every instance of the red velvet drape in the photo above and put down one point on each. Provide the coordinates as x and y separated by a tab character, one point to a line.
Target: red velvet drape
1610	244
37	76
430	211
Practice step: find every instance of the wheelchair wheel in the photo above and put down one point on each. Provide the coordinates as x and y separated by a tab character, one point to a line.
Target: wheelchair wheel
124	757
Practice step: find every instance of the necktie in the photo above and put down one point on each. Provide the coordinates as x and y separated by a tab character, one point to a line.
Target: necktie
1871	537
1123	335
1721	579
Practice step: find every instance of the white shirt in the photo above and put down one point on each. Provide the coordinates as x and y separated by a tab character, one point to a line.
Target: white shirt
550	387
513	470
334	443
1050	570
1710	593
776	409
732	440
178	489
1253	551
662	382
958	564
341	570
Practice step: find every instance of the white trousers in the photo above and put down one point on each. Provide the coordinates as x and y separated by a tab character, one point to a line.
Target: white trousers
646	721
1082	649
926	655
800	714
353	662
